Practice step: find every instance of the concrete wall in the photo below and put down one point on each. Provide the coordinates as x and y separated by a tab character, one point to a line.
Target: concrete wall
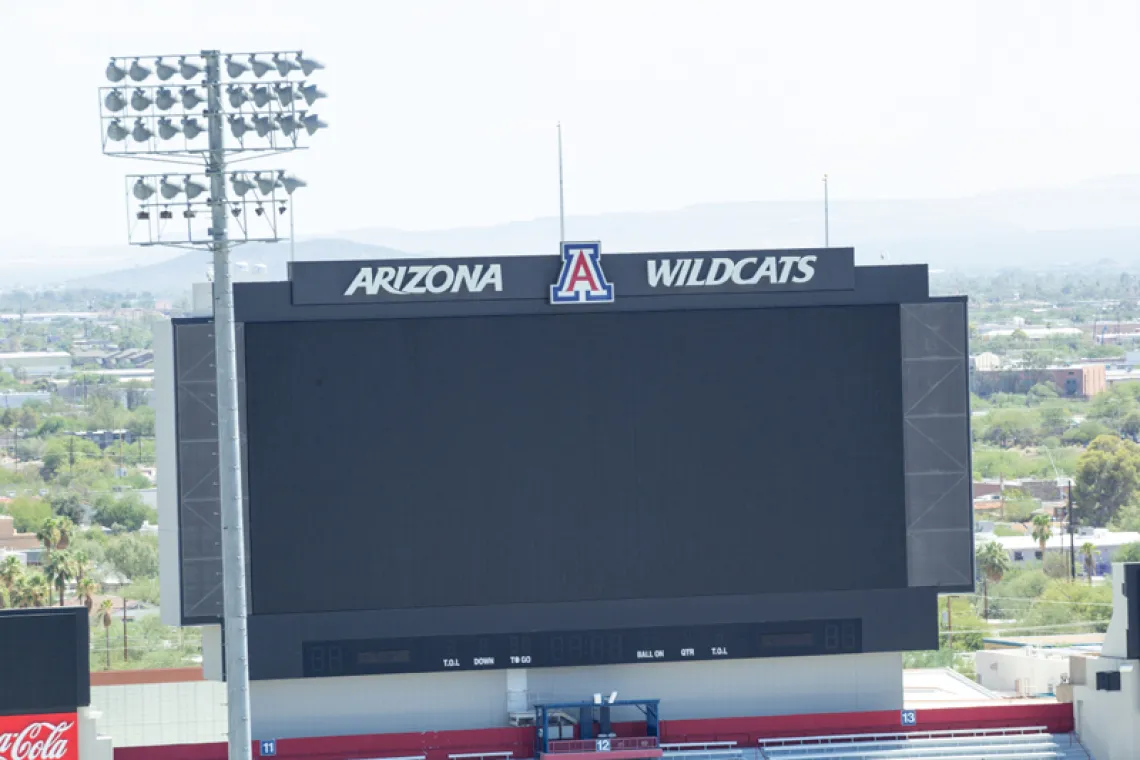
436	701
1108	722
1003	671
135	715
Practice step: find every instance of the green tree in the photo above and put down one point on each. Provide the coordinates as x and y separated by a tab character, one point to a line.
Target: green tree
67	504
133	556
1065	605
60	569
993	564
1108	476
124	514
28	514
106	617
1128	553
1085	433
61	454
11	571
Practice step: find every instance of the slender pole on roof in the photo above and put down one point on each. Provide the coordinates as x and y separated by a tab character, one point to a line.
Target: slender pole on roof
561	195
826	220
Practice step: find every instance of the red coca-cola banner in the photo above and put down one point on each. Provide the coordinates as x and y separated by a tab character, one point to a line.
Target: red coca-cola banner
39	737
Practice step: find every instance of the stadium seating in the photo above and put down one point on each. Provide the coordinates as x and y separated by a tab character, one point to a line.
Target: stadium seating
1000	744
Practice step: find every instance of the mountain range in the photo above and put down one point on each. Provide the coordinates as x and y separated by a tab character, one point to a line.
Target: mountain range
1078	225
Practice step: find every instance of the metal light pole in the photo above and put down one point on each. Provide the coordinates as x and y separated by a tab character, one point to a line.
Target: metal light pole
826	217
253	110
229	441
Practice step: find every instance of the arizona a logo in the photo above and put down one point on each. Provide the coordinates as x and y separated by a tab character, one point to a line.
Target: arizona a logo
582	279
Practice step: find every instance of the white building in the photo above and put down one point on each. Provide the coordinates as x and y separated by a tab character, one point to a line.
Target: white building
1026	549
37	363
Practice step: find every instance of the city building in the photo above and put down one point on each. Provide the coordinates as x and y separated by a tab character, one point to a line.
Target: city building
12	541
1079	381
36	363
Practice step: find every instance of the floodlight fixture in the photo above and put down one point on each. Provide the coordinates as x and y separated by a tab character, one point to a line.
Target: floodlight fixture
261	95
235	68
613	697
264	125
188	70
116	131
168	189
190	127
260	68
265	185
137	71
166	213
115	101
239	125
308	65
285	94
240	184
140	132
164	99
163	71
142	190
192	189
115	72
288	123
597	699
190	98
140	101
284	65
291	183
311	93
188	213
237	96
312	123
166	129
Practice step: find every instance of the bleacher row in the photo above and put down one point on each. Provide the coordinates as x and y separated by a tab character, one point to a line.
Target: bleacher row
996	744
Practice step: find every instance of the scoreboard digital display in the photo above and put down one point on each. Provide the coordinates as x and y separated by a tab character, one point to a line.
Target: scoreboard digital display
534	462
44	660
355	657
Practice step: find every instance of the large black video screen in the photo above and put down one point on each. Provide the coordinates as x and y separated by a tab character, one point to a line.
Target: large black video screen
438	462
44	660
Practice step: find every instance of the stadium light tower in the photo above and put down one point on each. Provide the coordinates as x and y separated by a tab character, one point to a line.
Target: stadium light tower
182	120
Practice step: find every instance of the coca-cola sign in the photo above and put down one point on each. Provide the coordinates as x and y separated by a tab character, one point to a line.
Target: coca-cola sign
39	737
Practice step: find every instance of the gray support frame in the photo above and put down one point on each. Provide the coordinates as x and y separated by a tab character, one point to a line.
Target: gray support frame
199	495
936	420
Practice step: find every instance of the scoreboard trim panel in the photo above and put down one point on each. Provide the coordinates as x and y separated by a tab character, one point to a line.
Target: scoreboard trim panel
548	649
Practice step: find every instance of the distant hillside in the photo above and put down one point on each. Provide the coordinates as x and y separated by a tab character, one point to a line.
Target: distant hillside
1018	228
175	276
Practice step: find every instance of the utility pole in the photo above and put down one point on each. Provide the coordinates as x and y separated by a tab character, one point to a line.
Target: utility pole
1072	539
949	624
124	629
70	452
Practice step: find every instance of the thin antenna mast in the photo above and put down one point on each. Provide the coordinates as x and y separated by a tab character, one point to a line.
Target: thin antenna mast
561	196
826	220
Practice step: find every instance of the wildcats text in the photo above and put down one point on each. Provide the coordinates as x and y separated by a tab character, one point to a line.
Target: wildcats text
713	272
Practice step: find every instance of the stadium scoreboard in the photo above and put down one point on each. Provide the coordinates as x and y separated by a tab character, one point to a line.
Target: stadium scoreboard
580	459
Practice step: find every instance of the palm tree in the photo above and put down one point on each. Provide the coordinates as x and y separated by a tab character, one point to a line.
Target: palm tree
34	590
50	535
1042	531
60	569
11	570
993	564
66	532
1088	554
106	616
5	602
86	589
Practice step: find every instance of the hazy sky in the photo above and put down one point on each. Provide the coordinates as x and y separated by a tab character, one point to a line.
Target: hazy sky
442	112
